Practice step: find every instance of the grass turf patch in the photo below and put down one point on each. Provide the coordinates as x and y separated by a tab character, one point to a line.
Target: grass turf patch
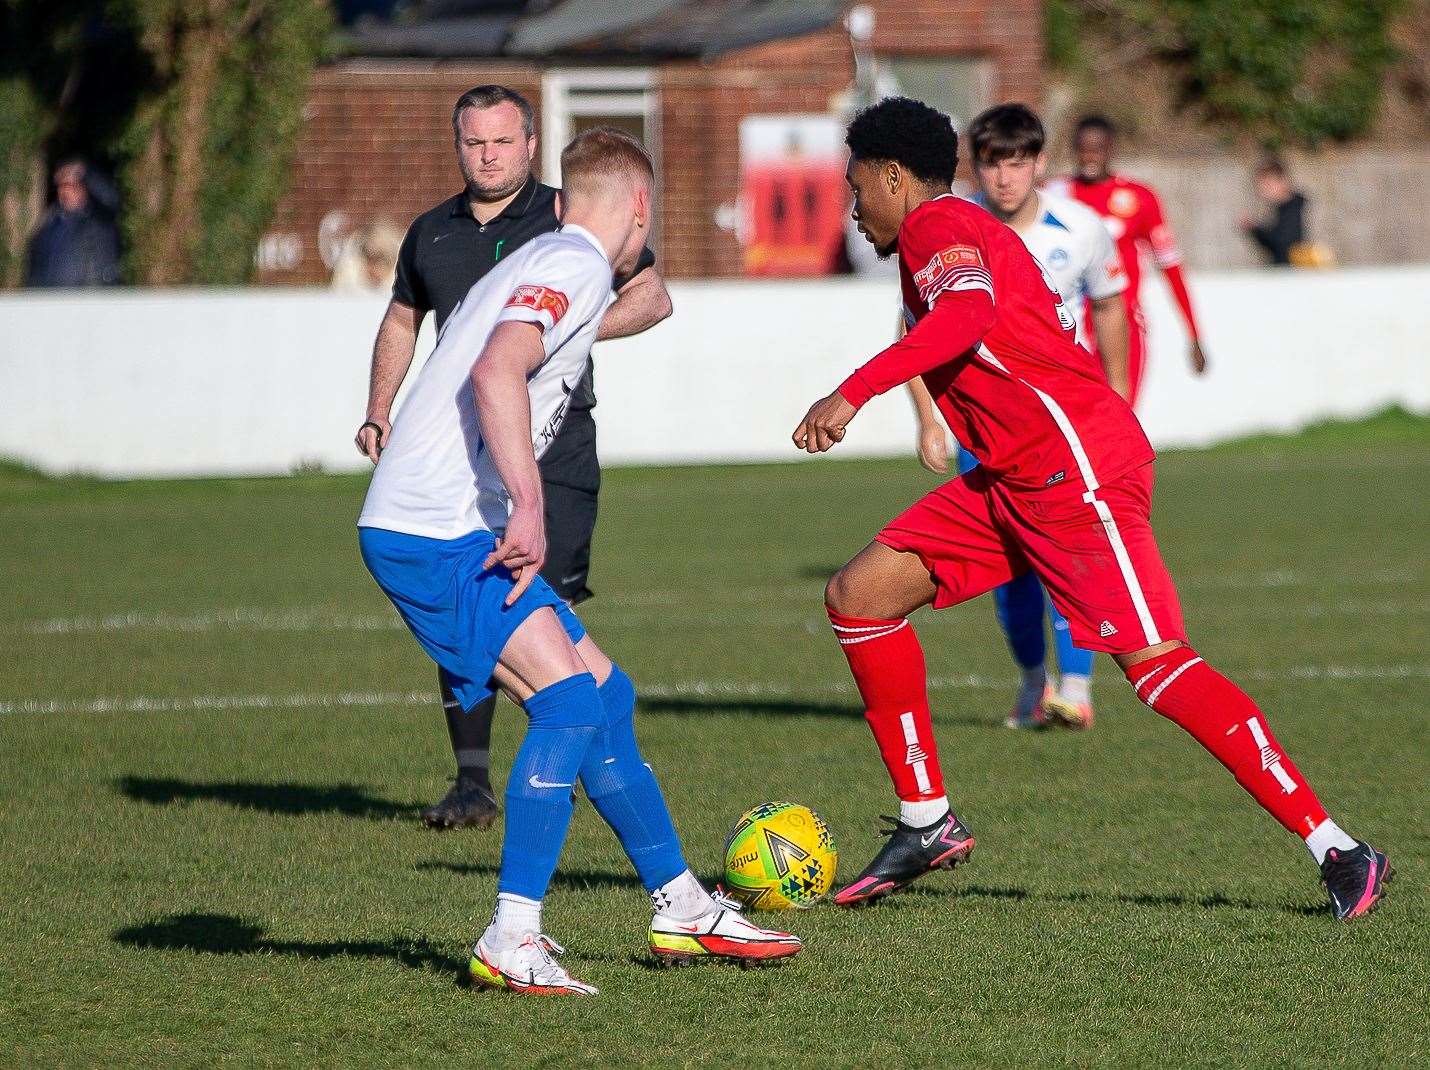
217	735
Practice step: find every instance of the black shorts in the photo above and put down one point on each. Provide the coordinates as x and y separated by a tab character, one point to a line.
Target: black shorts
571	480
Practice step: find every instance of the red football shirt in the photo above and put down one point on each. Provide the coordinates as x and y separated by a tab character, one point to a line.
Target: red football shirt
1134	218
995	347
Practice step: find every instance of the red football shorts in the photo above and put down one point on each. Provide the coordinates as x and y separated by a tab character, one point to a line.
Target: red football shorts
1095	553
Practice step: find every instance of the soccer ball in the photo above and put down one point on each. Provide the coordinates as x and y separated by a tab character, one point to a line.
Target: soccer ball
779	856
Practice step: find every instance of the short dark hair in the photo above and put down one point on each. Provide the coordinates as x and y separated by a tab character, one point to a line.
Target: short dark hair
489	96
1004	132
909	133
1095	122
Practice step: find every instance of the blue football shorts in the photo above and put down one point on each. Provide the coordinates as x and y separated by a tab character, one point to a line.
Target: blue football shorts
456	609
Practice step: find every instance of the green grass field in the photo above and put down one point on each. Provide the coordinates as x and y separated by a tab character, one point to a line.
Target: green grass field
215	737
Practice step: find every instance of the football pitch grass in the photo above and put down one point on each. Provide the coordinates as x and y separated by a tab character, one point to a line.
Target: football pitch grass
215	737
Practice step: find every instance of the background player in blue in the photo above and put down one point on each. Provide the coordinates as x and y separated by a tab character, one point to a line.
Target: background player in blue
454	531
1071	243
446	251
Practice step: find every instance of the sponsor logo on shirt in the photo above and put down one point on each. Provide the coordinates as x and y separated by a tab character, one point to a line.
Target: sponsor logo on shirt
957	263
1123	202
541	298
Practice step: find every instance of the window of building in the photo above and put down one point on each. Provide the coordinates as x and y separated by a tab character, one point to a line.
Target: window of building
576	100
958	86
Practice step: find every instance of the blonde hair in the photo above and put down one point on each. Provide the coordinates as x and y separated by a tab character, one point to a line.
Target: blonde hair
601	154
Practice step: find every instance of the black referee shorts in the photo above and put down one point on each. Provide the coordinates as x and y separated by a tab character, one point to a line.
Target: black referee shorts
571	480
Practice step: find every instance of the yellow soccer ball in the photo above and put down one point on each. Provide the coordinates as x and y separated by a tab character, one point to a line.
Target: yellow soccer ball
779	856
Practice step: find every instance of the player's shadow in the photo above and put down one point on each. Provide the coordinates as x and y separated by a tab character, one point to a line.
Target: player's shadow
1215	901
699	704
790	707
226	934
346	800
580	880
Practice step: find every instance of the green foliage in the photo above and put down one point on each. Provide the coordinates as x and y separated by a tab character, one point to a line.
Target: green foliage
200	101
208	147
1281	70
40	48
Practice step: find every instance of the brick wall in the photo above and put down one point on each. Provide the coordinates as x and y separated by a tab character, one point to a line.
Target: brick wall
1010	33
701	108
376	143
376	137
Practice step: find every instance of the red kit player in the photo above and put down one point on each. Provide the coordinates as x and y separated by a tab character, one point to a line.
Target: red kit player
1065	489
1134	218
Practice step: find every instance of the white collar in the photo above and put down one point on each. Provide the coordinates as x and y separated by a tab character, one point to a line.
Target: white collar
580	231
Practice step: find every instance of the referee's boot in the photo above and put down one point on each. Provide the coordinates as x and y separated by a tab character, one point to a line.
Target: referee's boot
468	804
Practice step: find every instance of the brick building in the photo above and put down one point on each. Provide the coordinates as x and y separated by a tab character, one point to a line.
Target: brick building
698	80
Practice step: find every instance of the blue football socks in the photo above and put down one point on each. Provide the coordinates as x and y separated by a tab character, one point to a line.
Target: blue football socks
1019	604
624	791
1072	660
563	720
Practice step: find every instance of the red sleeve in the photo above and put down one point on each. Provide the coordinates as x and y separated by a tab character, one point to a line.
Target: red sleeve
1168	256
1184	299
956	324
944	254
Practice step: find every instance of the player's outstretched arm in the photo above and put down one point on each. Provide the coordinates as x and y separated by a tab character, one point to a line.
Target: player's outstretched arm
499	379
1109	327
391	357
640	304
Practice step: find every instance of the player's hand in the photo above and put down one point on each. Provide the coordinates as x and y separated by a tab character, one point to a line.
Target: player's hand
371	438
933	448
521	549
824	424
1198	359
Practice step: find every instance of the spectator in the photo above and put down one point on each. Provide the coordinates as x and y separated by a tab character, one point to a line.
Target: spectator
76	243
1285	228
368	262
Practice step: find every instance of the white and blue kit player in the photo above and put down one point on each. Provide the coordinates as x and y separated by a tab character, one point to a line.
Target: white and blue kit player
452	530
1071	242
1082	264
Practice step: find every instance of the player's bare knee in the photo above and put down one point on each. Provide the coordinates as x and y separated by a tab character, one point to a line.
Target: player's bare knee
839	594
1136	657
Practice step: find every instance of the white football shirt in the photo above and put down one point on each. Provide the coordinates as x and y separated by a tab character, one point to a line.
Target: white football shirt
436	477
1072	244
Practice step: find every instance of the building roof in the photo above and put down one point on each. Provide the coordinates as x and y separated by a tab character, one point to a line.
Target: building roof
588	29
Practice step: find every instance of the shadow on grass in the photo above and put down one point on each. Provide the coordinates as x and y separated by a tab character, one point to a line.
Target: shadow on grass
739	704
572	879
349	800
1215	901
225	934
698	704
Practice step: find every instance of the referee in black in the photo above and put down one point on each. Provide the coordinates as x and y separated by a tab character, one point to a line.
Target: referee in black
445	252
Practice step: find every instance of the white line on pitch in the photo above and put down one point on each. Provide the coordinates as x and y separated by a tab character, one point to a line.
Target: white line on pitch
686	689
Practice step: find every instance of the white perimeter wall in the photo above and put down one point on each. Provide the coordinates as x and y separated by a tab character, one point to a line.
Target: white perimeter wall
128	383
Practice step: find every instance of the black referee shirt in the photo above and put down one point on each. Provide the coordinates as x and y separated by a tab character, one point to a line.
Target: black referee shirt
446	251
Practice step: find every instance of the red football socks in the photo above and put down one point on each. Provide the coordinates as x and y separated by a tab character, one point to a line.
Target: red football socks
1222	718
888	666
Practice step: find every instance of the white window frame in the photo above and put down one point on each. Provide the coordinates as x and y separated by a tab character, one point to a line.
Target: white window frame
629	91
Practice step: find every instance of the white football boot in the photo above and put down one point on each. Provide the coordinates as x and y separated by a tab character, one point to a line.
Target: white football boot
529	968
720	934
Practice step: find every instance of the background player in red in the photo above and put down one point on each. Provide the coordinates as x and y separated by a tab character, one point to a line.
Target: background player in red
1064	489
1134	218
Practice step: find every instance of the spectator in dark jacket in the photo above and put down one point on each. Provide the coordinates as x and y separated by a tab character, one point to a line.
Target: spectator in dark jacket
77	242
1285	227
